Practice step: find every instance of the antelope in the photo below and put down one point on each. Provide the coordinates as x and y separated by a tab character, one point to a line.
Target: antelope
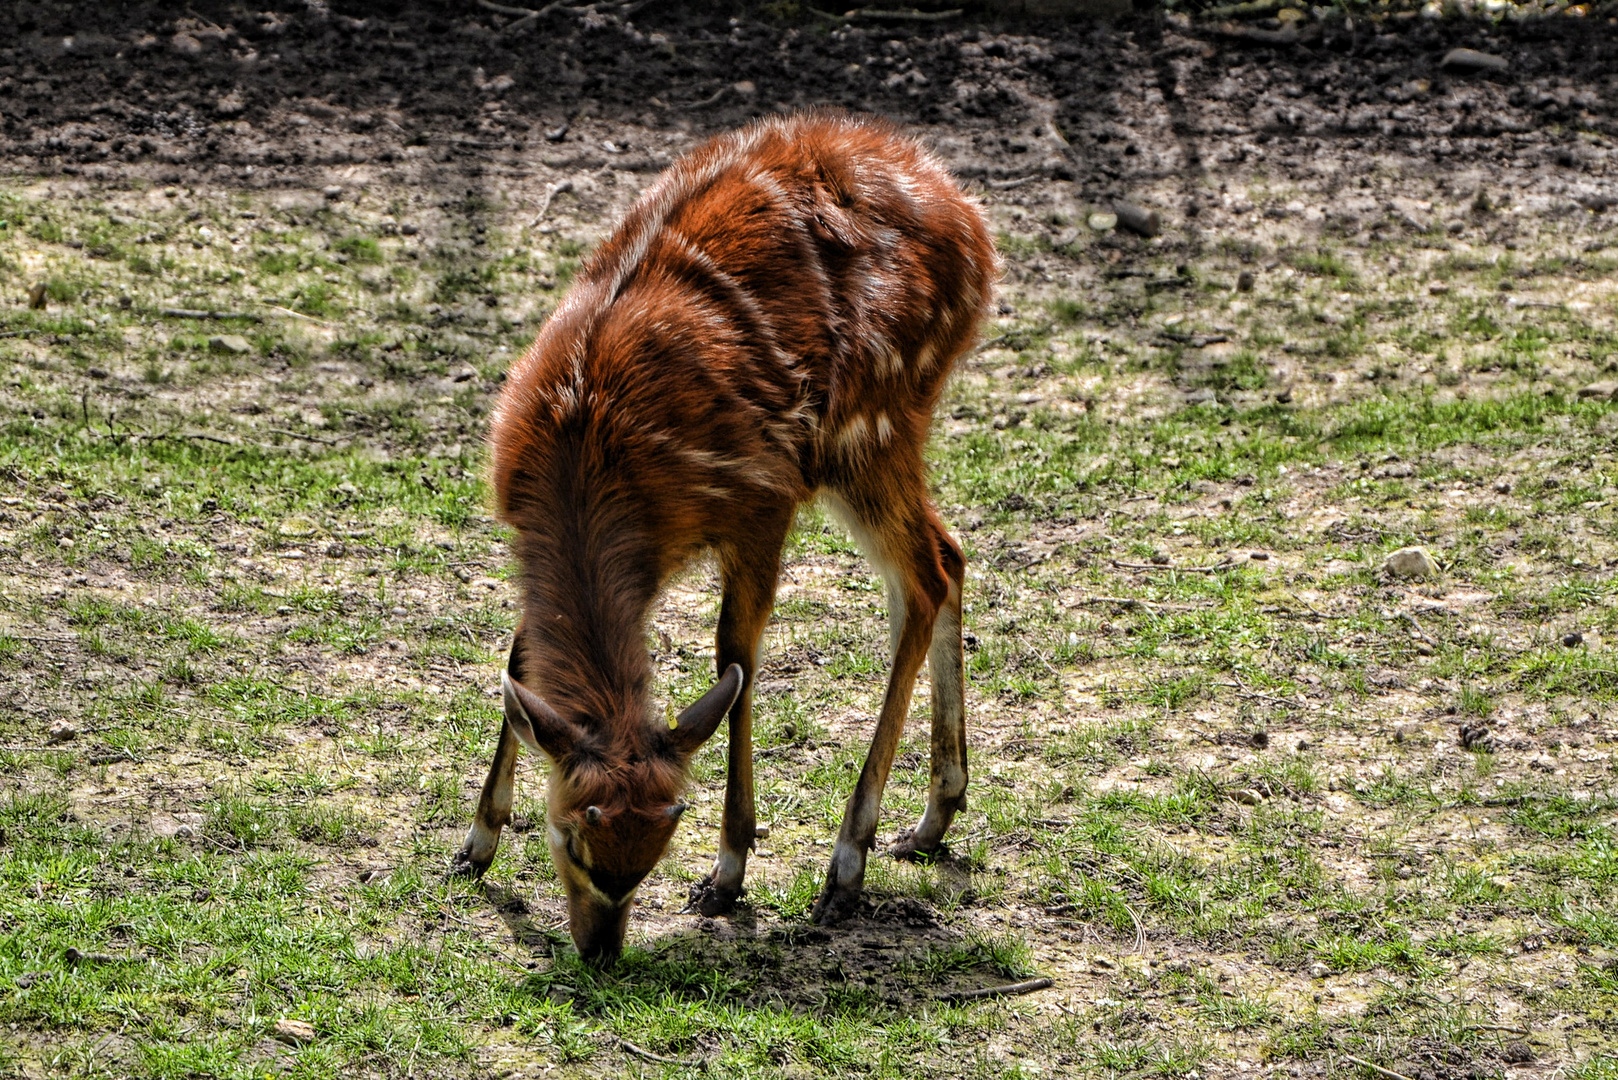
772	322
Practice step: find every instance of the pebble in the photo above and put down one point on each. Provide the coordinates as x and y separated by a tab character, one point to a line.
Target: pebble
97	373
1259	556
1605	389
1317	970
1470	60
1573	640
332	192
1411	563
1138	219
1101	221
1247	797
61	732
1205	396
36	297
230	343
292	1031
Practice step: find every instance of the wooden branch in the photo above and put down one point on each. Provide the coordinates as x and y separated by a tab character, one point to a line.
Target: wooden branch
1376	1068
907	15
195	313
1215	569
296	314
1008	990
1130	601
640	1051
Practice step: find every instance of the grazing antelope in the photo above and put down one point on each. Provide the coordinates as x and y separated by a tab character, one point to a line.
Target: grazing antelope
772	321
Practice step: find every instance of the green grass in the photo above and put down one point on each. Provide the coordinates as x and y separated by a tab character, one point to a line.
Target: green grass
1220	800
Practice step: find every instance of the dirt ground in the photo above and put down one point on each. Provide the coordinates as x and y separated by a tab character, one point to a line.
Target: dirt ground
1256	807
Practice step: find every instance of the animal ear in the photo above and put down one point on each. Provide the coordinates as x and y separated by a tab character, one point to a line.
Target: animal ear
693	726
536	723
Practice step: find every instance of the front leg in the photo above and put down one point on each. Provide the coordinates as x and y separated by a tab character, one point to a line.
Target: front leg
494	809
749	583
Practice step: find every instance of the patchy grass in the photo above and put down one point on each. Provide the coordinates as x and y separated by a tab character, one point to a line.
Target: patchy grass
1219	792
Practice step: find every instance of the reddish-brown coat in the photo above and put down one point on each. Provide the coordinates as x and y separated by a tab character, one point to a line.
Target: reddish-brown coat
775	317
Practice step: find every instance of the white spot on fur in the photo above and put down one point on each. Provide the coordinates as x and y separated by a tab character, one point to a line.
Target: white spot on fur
854	433
884	428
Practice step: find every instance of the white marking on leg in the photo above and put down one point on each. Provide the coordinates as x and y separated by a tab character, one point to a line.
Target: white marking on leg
728	869
481	842
848	865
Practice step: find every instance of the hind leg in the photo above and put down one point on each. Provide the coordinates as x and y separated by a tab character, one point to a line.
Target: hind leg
946	791
902	544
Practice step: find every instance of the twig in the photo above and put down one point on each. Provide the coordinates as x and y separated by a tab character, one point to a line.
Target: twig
301	435
1130	601
1008	990
197	313
713	99
641	1051
1140	931
910	15
1376	1068
1216	568
296	314
1007	185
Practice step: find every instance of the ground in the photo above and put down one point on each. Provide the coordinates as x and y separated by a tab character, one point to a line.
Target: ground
1253	804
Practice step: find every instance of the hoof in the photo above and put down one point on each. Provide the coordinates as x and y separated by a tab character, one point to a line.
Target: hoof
709	899
835	905
464	866
904	847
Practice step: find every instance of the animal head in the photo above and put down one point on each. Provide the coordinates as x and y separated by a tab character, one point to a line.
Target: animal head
614	799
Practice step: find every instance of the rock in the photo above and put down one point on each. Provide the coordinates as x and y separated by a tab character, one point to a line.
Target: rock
184	832
1245	281
296	1032
1259	556
1543	762
1318	970
230	104
1138	219
1411	563
97	373
1101	221
408	229
1247	797
332	191
1573	640
1517	1053
1502	487
1603	390
61	732
36	296
1476	736
1470	60
1205	396
761	832
230	343
465	375
1283	396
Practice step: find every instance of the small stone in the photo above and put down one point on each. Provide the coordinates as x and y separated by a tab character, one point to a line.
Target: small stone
1283	396
1542	762
1476	736
1159	559
1260	556
1411	563
332	191
61	732
97	373
465	375
296	1032
1101	221
1573	640
1287	16
1318	970
36	296
1517	1053
745	88
229	105
184	832
1245	281
1404	873
761	832
230	343
1102	962
1603	390
1438	288
1502	487
408	229
1247	797
1470	60
1138	219
1204	396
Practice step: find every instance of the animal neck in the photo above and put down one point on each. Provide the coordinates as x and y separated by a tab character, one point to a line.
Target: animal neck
586	604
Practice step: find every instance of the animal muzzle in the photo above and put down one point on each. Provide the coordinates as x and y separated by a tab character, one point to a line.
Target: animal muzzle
598	927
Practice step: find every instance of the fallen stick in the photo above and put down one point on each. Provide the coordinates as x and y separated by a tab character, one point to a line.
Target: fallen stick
911	15
1009	990
1376	1068
1130	601
640	1051
195	313
296	314
1174	569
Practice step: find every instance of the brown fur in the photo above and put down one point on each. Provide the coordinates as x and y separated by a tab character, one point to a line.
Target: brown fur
773	319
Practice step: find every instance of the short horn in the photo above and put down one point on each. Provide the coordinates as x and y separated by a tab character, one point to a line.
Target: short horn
592	816
693	727
536	723
673	812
